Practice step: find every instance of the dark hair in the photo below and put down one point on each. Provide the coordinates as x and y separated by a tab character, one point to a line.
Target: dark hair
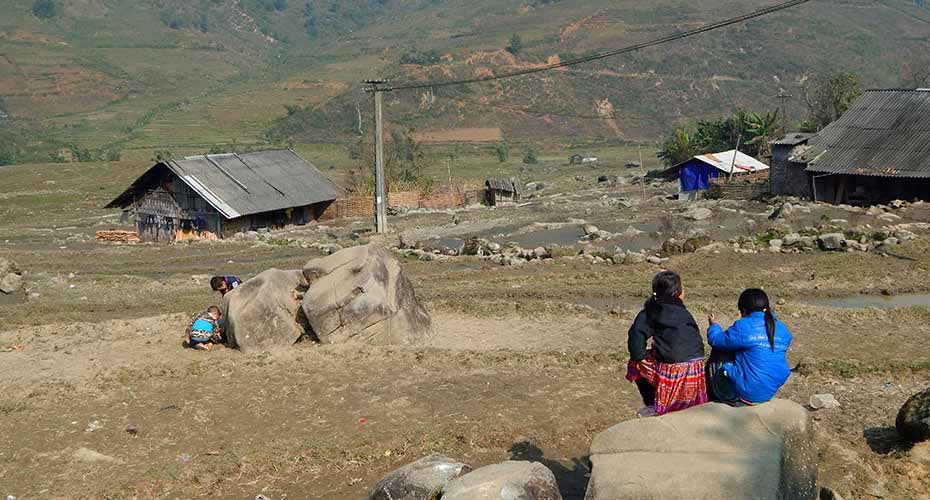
755	300
214	309
215	282
667	285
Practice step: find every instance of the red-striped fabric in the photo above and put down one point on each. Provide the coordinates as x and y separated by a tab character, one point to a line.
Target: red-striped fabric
678	385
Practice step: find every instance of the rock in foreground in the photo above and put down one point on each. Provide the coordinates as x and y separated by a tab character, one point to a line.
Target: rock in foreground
913	422
713	451
11	278
263	311
361	293
420	480
511	480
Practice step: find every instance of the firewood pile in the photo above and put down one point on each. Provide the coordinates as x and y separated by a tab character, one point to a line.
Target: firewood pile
118	236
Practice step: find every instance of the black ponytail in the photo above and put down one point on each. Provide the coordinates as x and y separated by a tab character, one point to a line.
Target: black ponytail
755	300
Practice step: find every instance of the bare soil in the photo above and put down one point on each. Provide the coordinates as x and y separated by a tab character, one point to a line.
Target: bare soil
526	362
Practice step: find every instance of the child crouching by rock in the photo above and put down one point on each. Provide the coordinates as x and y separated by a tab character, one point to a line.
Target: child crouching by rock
204	330
670	375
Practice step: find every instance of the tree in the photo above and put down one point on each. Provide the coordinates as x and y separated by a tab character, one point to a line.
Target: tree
530	157
761	129
502	150
516	44
310	20
677	148
44	9
203	23
828	98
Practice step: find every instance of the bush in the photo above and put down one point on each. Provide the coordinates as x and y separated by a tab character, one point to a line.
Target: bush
44	9
530	157
516	44
502	150
414	56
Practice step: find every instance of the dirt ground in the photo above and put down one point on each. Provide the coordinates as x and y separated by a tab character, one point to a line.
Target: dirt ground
102	402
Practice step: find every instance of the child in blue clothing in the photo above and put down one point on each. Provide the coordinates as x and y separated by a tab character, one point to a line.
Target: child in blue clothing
204	330
747	364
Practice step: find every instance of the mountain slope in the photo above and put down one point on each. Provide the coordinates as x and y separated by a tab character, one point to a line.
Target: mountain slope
137	75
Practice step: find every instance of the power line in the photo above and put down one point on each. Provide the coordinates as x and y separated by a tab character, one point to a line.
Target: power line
603	55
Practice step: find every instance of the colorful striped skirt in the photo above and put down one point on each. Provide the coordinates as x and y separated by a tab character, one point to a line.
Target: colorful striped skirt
677	385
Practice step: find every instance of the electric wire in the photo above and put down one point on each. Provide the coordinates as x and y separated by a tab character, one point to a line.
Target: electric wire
384	86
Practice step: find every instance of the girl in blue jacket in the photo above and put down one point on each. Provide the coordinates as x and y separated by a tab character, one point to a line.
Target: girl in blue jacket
747	364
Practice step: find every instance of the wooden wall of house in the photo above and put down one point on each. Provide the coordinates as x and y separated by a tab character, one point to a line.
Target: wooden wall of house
172	211
279	218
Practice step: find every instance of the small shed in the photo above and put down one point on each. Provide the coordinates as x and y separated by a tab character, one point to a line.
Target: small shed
694	175
788	177
215	196
501	191
580	159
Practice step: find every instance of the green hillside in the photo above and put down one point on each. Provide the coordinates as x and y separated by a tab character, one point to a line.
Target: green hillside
133	76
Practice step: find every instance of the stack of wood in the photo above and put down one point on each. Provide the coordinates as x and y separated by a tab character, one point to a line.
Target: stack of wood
118	236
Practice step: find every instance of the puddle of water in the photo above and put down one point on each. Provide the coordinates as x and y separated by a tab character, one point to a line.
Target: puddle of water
877	301
563	236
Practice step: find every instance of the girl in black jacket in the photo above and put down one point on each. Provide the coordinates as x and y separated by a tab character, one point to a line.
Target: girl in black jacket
670	374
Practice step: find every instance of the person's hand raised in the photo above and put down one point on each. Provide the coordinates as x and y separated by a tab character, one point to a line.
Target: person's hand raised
711	319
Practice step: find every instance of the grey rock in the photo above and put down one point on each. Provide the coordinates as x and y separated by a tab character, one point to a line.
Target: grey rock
634	258
897	204
510	480
806	242
891	241
831	241
590	229
875	211
362	294
698	213
776	244
889	217
263	311
421	480
913	420
541	253
771	457
7	266
652	259
791	239
11	283
824	402
536	186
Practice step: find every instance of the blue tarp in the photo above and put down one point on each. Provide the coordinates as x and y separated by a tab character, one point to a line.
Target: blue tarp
696	174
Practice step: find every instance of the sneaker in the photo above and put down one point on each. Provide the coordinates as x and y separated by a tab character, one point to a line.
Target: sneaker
646	411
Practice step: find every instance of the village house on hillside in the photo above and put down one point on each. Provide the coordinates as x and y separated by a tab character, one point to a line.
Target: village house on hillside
501	191
216	196
694	175
878	151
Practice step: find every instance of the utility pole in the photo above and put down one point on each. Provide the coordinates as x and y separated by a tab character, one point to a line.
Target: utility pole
783	97
377	87
642	171
739	139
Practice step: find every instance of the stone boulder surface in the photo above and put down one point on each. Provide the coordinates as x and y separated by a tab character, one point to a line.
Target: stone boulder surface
913	422
361	294
263	311
831	241
712	451
11	278
510	480
420	480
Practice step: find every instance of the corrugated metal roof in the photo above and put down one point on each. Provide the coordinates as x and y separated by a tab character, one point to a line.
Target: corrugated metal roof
508	185
744	163
884	133
251	183
792	139
724	161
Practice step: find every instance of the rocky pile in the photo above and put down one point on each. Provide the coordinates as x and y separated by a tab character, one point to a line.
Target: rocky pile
913	421
356	294
712	451
440	478
11	277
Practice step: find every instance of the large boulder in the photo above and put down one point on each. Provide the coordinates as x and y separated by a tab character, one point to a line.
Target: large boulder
420	480
913	422
361	294
712	451
510	480
697	213
831	241
265	311
11	278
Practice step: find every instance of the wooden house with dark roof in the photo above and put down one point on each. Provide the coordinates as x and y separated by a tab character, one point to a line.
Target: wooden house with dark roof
878	151
216	196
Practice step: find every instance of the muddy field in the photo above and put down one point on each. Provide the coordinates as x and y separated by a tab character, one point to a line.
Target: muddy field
101	401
